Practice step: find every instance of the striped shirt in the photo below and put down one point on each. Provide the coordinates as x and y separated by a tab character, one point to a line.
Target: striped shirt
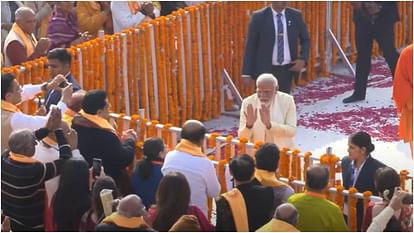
23	189
61	30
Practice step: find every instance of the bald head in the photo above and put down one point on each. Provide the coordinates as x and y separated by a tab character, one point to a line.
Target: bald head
317	177
24	12
131	206
193	131
22	142
75	102
287	212
25	19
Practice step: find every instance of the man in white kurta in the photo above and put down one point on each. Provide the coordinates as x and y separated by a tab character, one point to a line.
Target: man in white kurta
12	94
269	115
188	159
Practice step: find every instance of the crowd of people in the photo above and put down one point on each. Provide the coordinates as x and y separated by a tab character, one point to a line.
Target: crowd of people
31	28
58	165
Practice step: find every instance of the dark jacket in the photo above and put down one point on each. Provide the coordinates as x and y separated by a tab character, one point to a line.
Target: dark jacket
259	205
364	182
95	142
53	97
388	14
23	185
261	40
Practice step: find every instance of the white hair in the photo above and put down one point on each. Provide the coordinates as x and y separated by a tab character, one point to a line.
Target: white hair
22	11
266	77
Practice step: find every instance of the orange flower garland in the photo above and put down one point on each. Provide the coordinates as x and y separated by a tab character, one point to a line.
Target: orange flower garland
306	160
212	139
242	145
403	178
120	123
284	162
366	195
295	165
152	130
166	136
352	213
339	197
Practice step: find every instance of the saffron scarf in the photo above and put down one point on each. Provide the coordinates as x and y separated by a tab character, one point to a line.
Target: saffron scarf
238	209
9	107
267	178
99	121
122	221
21	158
29	41
190	148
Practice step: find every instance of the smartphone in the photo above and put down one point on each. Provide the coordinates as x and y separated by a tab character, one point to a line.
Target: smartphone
96	167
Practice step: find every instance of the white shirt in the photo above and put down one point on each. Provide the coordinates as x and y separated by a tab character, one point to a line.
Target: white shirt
200	174
380	221
123	18
49	154
20	120
286	51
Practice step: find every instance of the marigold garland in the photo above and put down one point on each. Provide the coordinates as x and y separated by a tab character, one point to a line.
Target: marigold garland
403	178
284	163
352	212
339	197
306	160
295	165
166	136
242	145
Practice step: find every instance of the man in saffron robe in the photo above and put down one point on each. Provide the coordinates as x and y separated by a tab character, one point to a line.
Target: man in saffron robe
403	94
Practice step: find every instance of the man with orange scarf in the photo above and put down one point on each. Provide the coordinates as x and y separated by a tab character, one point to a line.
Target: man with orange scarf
20	44
98	139
403	94
189	159
12	94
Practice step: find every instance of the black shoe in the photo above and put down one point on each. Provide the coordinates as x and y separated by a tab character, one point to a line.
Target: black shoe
352	99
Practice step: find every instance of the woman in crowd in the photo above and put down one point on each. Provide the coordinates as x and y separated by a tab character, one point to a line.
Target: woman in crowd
147	174
173	201
72	198
63	28
358	169
386	180
96	214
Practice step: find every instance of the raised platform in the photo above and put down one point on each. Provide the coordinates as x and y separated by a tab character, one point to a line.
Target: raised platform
324	121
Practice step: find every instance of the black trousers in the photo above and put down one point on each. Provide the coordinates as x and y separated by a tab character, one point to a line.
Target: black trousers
284	77
365	33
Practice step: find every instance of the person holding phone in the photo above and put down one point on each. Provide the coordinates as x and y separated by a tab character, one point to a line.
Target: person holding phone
395	209
272	44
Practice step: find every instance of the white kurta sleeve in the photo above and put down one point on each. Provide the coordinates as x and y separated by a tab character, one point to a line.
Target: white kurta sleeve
287	128
243	130
213	185
29	91
20	120
379	222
